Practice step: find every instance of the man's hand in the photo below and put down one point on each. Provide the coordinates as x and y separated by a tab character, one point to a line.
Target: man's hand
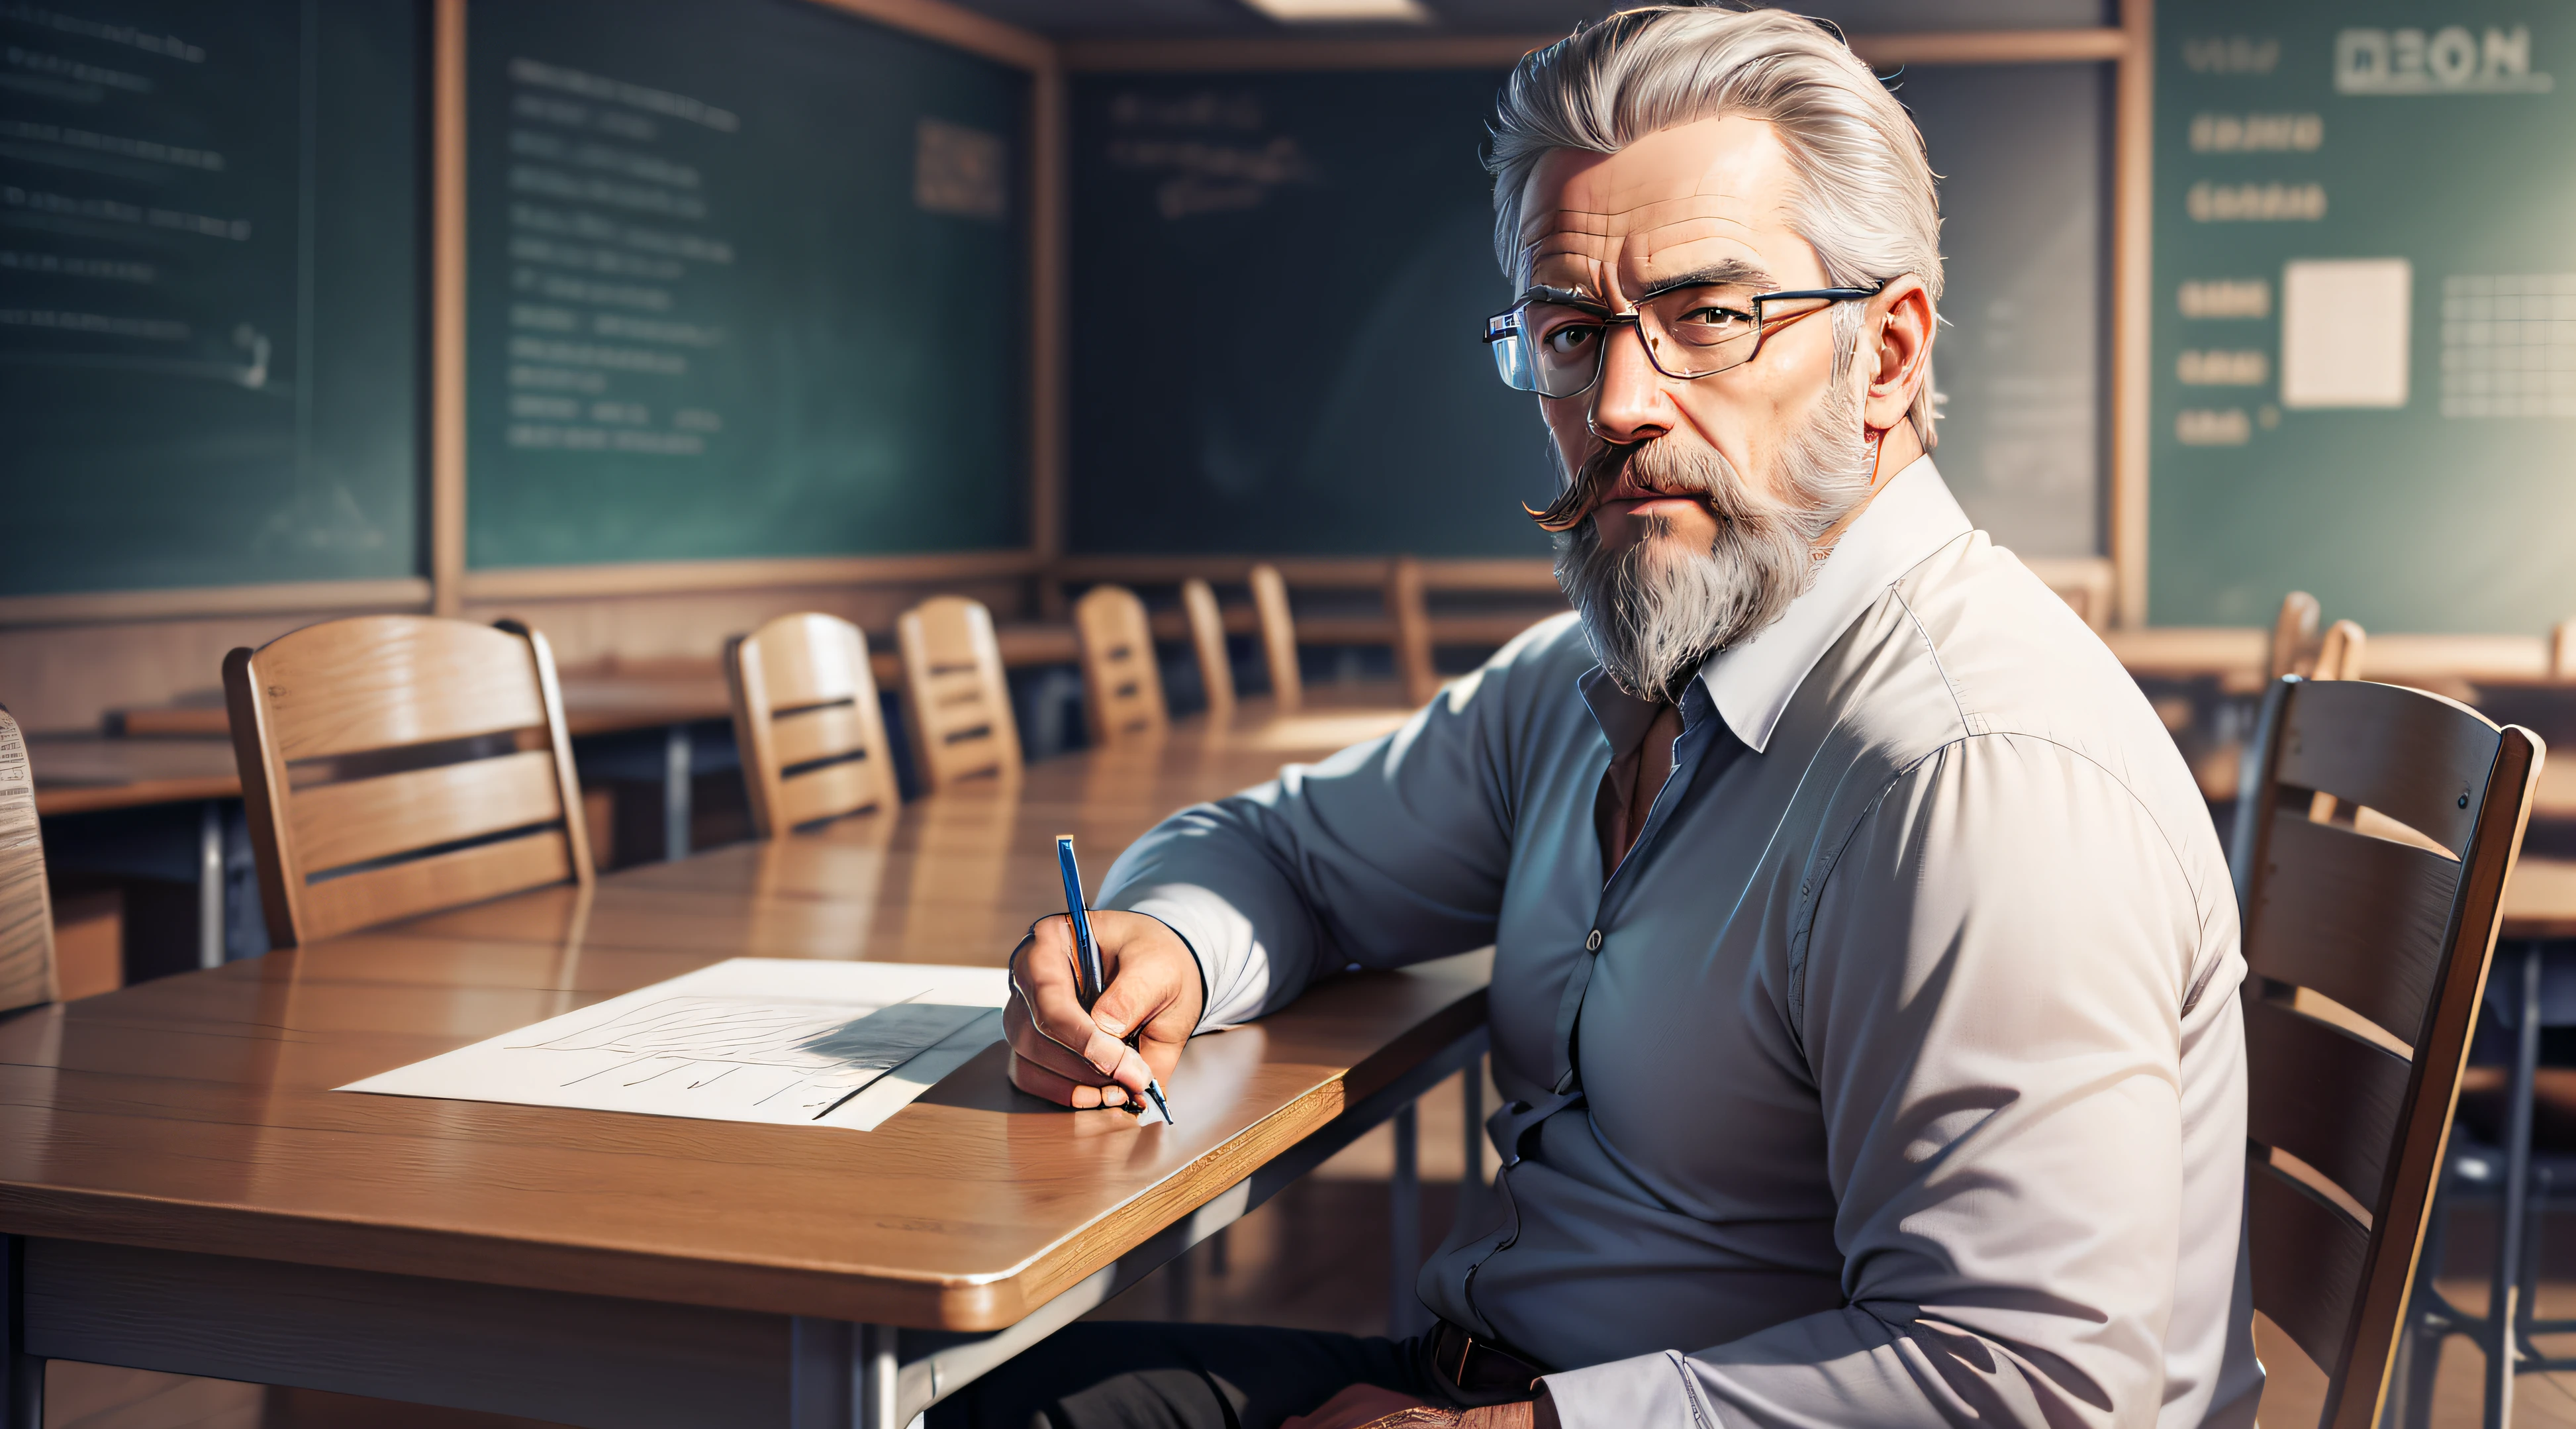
1082	1060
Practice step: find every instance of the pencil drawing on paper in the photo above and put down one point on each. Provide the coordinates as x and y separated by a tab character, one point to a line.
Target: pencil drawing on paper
770	1053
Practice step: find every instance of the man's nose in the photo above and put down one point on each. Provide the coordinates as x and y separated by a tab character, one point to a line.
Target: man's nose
1629	403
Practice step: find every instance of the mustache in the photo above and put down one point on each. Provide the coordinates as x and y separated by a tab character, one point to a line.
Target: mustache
1657	466
1598	473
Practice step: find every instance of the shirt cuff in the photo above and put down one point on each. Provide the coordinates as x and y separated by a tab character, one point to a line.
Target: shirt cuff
1655	1390
1236	987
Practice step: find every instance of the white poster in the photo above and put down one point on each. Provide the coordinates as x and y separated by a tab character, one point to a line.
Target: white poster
2344	328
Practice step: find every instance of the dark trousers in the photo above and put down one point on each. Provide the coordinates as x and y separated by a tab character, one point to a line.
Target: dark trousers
1124	1375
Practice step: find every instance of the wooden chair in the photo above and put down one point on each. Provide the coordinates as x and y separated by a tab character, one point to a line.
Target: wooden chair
1410	610
396	764
27	974
2294	634
1207	638
1122	686
2562	651
806	716
2367	940
955	697
1278	637
2339	652
2085	583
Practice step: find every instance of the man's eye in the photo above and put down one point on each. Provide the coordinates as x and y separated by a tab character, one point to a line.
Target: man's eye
1569	339
1722	319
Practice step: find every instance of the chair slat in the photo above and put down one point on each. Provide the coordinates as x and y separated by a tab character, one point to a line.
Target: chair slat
1278	637
2308	1255
27	972
824	733
812	660
1409	608
2417	758
834	790
1207	640
359	820
2327	890
2329	1098
439	881
386	681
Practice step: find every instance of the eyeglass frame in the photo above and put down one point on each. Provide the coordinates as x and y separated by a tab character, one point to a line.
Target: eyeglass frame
1506	324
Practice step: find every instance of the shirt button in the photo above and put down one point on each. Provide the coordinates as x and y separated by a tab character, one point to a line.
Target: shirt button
1593	943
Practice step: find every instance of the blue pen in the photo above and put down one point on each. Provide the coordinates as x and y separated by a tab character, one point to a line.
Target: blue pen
1086	953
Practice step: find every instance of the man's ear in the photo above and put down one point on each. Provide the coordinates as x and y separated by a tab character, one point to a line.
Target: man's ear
1896	351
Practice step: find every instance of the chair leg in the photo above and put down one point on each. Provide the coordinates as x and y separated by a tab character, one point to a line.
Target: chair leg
2419	1346
2504	1313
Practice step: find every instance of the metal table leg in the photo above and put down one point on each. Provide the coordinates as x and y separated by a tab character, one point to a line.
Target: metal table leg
1404	1226
22	1376
677	758
210	885
2504	1297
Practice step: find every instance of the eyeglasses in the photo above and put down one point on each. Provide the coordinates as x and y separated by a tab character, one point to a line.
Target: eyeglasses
1551	342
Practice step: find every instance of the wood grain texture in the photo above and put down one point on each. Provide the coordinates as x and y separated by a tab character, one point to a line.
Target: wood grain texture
1122	681
194	1112
2416	758
409	593
1207	631
447	310
1278	635
27	972
956	700
2133	307
2294	634
2308	1253
2326	890
362	820
376	685
2330	1098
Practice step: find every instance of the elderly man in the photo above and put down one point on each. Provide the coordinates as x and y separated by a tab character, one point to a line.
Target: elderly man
1865	965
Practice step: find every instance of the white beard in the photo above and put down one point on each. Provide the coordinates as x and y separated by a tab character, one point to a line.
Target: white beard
1656	610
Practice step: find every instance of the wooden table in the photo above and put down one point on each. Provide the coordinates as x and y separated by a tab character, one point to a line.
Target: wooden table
181	1191
84	773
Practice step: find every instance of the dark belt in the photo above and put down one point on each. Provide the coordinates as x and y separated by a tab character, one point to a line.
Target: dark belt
1481	1371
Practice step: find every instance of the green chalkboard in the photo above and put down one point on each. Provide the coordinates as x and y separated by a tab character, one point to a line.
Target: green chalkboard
1280	279
746	278
210	292
2365	330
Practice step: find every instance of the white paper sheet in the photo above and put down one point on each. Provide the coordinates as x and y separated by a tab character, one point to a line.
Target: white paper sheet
783	1041
2344	332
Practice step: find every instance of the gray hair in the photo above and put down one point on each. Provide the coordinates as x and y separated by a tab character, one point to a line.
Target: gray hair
1865	198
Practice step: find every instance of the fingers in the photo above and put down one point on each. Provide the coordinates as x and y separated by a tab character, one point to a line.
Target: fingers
1084	1059
1044	1067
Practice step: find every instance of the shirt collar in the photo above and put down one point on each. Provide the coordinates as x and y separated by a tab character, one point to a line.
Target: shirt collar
1912	516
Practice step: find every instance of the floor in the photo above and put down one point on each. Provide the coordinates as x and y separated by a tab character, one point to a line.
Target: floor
1315	1257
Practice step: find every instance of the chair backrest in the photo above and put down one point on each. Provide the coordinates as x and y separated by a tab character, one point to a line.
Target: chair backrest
805	713
1122	687
2562	651
1207	638
1278	636
2294	632
27	974
392	765
955	696
2339	652
1410	609
2367	948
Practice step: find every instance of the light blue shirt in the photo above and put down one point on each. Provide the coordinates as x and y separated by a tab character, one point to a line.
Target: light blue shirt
1896	1077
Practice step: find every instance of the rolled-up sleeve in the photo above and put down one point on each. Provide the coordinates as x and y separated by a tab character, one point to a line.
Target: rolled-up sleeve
1990	989
1387	853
